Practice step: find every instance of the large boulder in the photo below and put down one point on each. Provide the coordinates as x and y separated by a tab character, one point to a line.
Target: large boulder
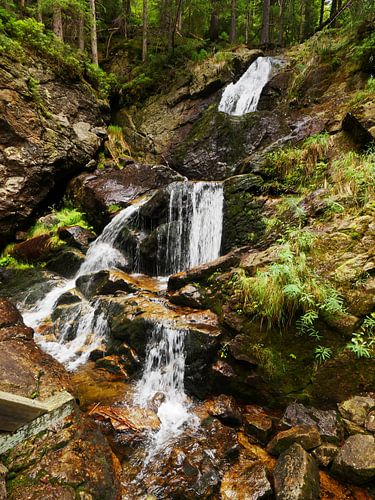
355	461
296	475
101	191
246	481
306	436
49	130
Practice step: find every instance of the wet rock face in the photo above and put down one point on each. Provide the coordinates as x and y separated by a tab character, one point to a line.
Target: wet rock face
225	409
355	461
72	462
242	217
46	140
296	475
218	142
185	469
163	122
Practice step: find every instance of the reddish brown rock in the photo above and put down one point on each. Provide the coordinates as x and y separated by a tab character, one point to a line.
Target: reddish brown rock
225	409
257	423
33	249
306	436
246	481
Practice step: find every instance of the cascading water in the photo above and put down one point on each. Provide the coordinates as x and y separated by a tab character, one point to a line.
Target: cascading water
90	327
194	225
163	377
243	97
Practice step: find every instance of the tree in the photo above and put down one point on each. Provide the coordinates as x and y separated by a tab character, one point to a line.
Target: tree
265	34
233	22
57	22
94	40
144	31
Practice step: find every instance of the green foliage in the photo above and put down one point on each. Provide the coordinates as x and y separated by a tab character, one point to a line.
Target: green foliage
8	261
65	217
19	36
363	342
353	176
289	289
298	167
322	353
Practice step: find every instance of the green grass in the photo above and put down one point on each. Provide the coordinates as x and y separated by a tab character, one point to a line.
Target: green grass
353	176
289	291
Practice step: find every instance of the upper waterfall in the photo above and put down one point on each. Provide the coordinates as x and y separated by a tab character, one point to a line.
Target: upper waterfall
243	97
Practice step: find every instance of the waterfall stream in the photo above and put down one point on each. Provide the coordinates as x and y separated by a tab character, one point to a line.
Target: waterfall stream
193	237
243	97
194	225
163	379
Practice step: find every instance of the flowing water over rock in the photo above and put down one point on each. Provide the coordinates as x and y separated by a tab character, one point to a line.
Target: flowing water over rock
194	225
90	327
243	97
163	383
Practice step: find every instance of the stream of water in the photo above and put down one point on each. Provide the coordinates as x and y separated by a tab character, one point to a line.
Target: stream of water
194	230
243	96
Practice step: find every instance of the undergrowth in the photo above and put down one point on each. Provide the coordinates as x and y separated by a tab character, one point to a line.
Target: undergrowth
289	291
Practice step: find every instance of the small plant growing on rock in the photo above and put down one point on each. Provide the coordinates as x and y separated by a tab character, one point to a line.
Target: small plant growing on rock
363	342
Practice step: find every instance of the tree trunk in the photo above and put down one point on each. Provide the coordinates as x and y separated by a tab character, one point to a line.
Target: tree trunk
233	21
22	4
94	39
145	30
214	22
57	23
81	33
321	17
39	14
175	23
265	33
333	9
247	26
280	37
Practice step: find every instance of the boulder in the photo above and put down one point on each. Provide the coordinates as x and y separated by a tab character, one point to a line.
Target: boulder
9	314
306	436
356	409
66	262
361	136
76	236
201	273
325	453
225	409
96	192
355	461
43	141
326	421
33	249
188	296
296	475
245	481
257	423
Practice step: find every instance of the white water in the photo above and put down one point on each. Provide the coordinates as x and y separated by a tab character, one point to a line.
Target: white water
163	375
195	222
243	97
90	327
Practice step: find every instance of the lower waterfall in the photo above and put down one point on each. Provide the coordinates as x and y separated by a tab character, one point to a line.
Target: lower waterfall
163	379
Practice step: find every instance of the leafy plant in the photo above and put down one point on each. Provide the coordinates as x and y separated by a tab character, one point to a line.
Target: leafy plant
322	353
363	342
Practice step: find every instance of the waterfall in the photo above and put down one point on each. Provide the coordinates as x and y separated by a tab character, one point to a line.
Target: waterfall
195	220
90	328
163	379
243	97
